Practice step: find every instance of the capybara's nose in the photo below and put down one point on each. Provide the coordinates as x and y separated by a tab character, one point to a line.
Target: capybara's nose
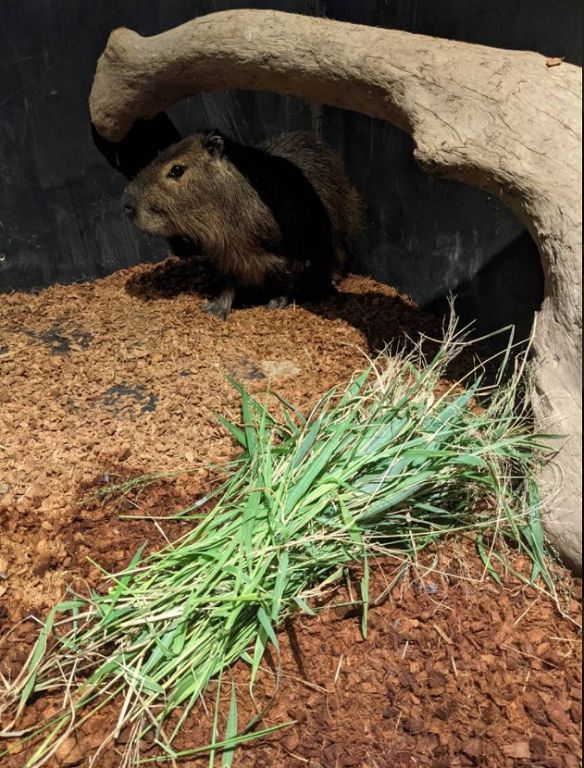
130	210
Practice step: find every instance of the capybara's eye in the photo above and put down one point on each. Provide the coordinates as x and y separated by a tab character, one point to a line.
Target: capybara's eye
176	171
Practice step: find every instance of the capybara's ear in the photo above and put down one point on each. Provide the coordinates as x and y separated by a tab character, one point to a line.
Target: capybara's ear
214	143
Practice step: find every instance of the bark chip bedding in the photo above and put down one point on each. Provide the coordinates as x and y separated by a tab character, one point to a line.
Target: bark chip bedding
104	381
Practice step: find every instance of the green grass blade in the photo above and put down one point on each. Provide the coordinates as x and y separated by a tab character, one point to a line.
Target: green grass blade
231	729
365	595
238	434
36	658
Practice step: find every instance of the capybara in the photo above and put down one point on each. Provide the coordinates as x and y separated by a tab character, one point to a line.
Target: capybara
280	218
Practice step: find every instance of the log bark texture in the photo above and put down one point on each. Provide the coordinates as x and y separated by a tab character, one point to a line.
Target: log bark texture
506	121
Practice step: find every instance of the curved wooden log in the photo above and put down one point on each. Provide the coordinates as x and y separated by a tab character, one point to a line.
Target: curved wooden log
506	121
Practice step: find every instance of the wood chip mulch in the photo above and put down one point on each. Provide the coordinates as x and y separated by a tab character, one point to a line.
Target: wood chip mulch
103	381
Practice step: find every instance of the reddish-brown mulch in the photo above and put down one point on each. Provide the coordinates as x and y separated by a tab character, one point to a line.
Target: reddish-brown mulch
107	380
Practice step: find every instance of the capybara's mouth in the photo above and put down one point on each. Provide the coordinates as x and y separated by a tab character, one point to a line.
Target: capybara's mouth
154	223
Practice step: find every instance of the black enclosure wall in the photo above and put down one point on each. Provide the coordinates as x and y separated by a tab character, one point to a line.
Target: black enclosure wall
60	216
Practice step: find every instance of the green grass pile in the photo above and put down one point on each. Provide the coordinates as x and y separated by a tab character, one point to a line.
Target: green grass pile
383	466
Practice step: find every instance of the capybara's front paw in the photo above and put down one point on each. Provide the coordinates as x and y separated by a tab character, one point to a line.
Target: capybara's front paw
279	302
218	307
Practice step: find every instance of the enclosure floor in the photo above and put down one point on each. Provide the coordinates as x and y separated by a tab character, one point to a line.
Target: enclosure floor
106	380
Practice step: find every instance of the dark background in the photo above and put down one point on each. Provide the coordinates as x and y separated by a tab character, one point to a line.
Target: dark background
60	217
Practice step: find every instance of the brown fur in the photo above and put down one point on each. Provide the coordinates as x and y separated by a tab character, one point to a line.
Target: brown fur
282	217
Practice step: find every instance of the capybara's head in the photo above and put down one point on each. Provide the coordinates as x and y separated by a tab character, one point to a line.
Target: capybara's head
184	191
